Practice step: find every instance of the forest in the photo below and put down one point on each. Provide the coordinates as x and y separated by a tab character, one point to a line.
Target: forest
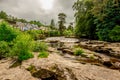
98	19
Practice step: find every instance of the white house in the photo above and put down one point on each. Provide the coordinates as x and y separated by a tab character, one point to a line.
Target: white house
26	26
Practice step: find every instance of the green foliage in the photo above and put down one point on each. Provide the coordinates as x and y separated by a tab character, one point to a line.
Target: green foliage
97	19
23	45
43	54
52	24
7	33
68	33
9	18
70	27
37	34
115	34
3	15
4	49
24	55
53	33
107	18
38	23
21	20
85	26
61	22
78	52
40	46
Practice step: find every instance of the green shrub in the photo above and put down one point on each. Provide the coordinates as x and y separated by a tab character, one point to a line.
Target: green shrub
53	33
4	49
24	55
114	34
23	46
103	34
7	33
43	54
37	34
40	46
78	52
68	33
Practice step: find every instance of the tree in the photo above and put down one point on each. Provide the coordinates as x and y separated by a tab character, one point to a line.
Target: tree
107	17
98	18
22	20
61	22
84	19
38	23
3	15
70	27
52	24
114	34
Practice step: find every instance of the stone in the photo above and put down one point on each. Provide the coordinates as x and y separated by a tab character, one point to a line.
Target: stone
55	67
111	49
68	51
116	65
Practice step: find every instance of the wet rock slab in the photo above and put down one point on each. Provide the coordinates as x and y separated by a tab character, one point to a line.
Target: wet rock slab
55	67
61	39
111	49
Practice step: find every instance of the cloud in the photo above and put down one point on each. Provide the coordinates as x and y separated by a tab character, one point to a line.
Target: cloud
32	10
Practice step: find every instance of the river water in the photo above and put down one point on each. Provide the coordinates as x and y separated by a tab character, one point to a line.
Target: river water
61	41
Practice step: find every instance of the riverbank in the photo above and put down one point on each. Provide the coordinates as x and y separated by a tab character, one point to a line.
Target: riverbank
61	65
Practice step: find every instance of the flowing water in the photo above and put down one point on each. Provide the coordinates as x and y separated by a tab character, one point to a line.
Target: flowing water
61	41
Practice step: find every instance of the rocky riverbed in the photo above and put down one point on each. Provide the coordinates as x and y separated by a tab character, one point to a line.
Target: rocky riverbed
96	52
55	67
61	64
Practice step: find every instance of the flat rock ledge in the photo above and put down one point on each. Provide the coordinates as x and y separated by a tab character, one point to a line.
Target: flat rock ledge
55	67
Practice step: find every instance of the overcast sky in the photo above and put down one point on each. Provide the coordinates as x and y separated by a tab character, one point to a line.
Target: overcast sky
38	10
